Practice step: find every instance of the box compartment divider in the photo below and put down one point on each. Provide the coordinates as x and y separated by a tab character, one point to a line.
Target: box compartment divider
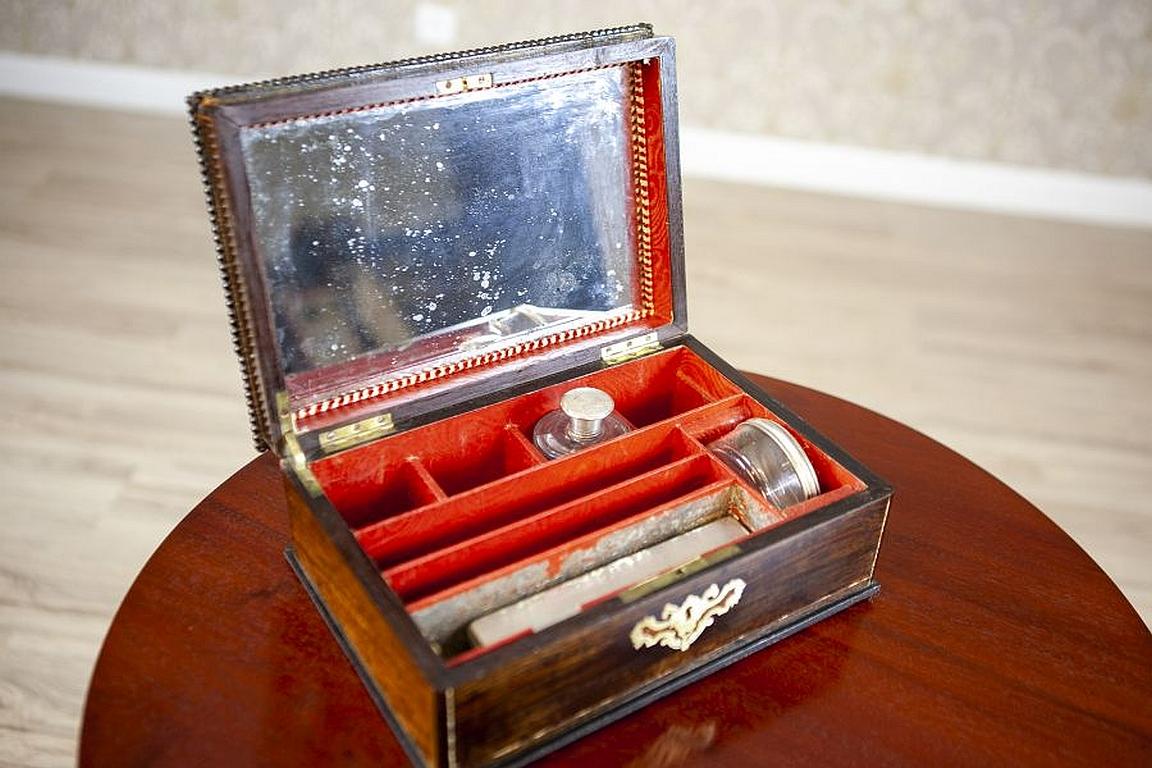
690	381
458	518
550	528
365	489
424	484
444	615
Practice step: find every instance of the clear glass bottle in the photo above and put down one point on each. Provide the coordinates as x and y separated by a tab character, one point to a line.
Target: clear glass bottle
769	458
586	417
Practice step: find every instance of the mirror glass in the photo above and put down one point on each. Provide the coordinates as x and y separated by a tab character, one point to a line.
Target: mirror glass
442	227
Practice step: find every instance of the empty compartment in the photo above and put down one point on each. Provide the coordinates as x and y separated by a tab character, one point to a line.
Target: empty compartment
685	385
364	490
480	454
672	397
550	528
513	498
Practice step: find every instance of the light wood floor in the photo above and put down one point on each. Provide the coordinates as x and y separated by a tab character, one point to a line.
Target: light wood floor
1024	344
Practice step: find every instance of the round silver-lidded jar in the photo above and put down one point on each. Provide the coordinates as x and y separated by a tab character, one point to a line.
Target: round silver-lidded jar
586	409
768	458
585	418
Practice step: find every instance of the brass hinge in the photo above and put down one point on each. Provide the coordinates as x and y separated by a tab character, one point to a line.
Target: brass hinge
354	434
462	84
295	461
291	454
630	349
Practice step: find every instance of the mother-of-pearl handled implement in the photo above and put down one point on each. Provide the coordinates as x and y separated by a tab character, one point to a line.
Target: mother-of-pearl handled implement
567	599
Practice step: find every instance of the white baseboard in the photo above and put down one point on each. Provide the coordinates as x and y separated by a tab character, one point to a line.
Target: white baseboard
915	178
720	155
96	84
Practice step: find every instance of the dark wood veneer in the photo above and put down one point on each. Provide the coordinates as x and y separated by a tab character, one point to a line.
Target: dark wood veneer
592	667
491	704
325	562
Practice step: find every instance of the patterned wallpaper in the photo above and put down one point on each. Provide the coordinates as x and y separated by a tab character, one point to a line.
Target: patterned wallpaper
1054	83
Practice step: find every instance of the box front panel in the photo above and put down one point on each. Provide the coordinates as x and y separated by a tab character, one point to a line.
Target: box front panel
638	645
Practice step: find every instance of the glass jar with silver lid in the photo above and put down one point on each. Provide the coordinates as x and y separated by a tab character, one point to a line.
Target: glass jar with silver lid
769	458
587	416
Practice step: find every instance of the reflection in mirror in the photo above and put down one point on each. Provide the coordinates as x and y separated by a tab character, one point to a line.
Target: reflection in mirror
445	226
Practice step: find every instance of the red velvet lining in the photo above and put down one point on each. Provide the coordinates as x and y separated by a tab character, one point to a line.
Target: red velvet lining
364	487
657	193
470	514
449	505
550	528
555	557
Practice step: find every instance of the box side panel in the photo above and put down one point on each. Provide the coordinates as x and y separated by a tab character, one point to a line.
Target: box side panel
597	666
414	702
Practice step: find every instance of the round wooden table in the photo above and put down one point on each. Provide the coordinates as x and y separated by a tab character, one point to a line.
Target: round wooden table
995	640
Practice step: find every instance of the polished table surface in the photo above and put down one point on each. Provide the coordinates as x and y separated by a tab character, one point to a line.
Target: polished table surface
994	640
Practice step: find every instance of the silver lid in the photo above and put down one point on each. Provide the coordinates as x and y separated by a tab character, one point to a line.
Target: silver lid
805	472
586	409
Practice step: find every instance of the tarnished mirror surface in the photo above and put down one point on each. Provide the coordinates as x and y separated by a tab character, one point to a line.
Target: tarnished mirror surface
442	227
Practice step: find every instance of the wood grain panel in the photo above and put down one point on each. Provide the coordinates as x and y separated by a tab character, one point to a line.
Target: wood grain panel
588	669
414	703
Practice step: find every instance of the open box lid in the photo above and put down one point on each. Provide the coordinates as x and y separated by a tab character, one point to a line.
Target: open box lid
400	238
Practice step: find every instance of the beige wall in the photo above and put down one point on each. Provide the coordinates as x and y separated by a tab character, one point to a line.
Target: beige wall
1054	83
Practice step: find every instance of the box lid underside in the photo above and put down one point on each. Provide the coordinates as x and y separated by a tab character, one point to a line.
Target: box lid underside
391	231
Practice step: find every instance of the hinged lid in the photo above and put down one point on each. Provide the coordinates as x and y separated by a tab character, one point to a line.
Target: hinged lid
399	238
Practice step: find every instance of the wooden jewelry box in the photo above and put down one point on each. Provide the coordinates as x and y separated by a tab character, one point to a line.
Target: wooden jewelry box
421	258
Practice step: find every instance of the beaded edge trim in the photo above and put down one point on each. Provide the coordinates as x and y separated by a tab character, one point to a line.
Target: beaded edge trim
223	234
414	61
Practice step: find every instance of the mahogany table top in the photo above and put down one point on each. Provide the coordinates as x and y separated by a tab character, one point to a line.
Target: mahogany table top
994	640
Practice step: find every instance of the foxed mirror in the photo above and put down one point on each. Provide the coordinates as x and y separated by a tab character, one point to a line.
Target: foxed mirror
440	227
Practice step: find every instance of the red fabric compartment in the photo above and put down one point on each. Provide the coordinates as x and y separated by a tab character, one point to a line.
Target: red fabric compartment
458	500
550	528
469	450
471	514
482	455
364	486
